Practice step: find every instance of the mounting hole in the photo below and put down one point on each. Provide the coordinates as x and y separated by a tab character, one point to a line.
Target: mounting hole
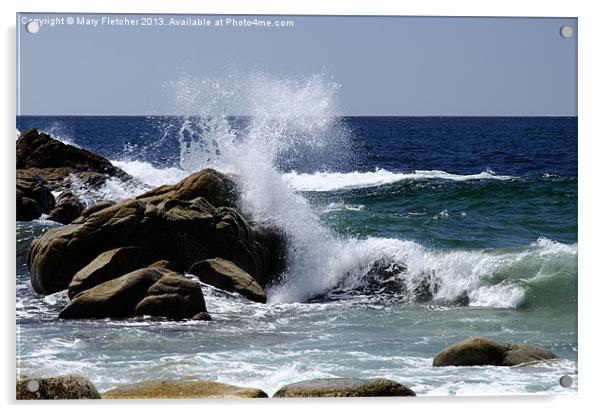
566	31
33	386
566	381
32	27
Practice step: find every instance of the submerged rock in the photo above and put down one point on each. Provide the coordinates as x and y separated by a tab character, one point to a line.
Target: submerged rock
182	389
56	388
182	232
34	197
148	291
341	387
226	276
480	351
68	208
56	161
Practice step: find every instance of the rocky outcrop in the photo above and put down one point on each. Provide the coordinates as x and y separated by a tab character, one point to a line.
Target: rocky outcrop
226	276
56	388
480	351
181	232
182	389
341	387
34	197
148	291
68	208
55	161
218	189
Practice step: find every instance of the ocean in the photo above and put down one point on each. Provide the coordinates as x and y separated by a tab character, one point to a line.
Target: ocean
482	208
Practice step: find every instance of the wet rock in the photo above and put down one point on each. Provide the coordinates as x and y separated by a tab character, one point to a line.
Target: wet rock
55	257
96	207
226	276
181	232
148	291
34	197
218	189
55	161
480	351
107	266
525	353
53	388
342	387
68	208
182	389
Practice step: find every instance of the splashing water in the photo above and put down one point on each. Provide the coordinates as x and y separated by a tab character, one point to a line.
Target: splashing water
287	118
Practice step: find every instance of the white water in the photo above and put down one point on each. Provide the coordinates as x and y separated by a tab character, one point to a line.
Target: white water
332	181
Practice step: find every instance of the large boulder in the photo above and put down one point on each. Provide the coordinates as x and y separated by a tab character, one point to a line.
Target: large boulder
480	351
182	389
34	197
68	208
218	189
56	161
54	258
107	266
181	232
341	387
56	388
225	275
148	291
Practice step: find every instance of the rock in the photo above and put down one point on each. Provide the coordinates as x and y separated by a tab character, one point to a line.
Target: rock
160	264
96	207
107	266
60	387
218	189
148	291
68	208
34	197
202	317
55	160
226	276
182	389
55	257
341	387
181	232
525	353
480	351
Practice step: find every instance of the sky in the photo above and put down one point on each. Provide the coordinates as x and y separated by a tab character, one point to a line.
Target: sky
404	66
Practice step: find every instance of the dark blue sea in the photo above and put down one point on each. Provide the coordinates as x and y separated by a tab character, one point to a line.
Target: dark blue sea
485	208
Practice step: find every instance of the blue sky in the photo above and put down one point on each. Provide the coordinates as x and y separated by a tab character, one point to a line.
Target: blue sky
385	65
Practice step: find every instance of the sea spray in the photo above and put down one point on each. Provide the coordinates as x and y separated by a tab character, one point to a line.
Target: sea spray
286	118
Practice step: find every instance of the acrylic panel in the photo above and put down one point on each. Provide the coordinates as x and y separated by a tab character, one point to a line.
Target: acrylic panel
295	206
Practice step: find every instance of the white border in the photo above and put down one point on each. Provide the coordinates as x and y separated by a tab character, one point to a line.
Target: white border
590	68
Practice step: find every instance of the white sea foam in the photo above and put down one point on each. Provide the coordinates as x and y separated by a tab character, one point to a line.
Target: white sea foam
151	175
332	181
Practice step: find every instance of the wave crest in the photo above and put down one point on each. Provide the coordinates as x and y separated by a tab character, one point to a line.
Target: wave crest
333	181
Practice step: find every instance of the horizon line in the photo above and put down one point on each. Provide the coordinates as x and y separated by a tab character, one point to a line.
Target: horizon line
338	116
